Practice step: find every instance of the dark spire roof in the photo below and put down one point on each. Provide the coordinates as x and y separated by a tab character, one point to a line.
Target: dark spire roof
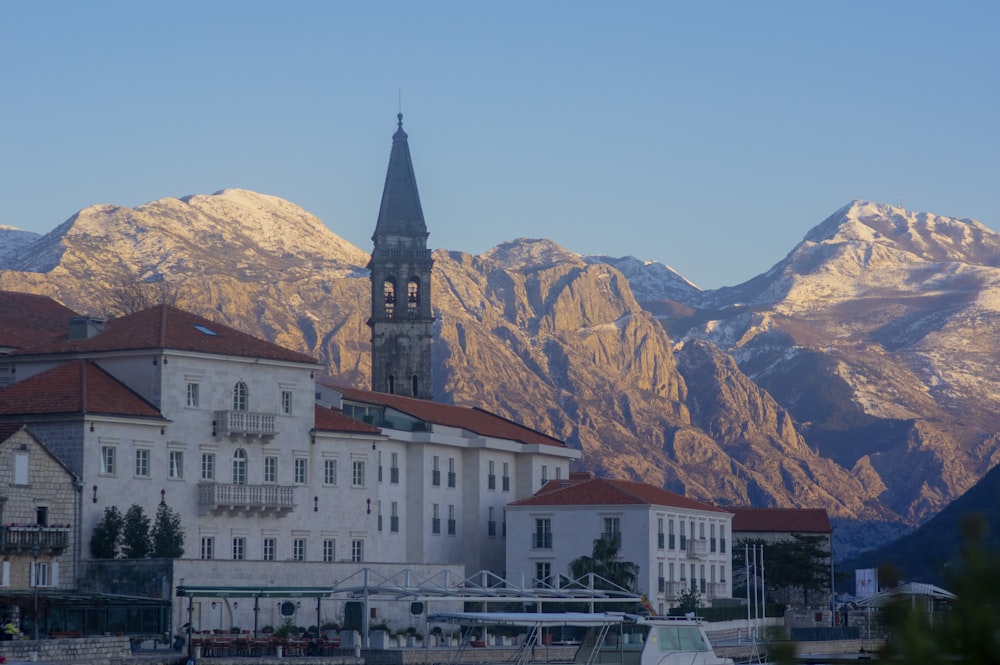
400	213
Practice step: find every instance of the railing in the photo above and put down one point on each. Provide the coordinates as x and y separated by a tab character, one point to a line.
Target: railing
245	423
660	540
673	589
717	590
221	496
22	539
697	548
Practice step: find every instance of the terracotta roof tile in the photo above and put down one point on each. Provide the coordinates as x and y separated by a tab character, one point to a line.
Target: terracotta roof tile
331	420
166	327
28	318
786	520
76	387
472	419
609	492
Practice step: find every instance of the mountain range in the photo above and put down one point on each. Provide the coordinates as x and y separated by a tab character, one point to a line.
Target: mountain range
856	375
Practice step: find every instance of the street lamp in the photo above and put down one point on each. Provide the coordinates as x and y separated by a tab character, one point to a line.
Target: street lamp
35	551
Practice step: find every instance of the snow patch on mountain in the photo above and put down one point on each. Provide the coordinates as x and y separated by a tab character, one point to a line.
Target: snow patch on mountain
13	241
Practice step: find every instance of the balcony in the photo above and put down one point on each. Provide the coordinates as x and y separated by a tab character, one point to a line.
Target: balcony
244	423
51	540
717	590
221	497
673	590
697	549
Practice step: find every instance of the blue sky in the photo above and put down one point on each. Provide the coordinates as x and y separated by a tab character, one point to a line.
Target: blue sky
710	136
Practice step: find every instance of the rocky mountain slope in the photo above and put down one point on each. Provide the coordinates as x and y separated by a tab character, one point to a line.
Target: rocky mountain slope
879	333
560	342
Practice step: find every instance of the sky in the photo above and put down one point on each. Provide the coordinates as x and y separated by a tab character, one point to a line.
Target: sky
710	136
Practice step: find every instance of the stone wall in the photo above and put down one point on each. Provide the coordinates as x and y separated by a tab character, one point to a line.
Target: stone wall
78	650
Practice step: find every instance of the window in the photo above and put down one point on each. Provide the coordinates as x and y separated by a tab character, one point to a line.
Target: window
660	538
21	469
329	472
412	297
270	469
491	476
208	548
286	402
40	574
389	291
683	543
379	513
712	542
270	547
380	466
240	467
394	517
329	550
240	396
491	523
298	549
176	464
357	551
301	470
239	549
108	460
42	516
612	528
543	533
358	474
452	524
506	477
436	471
435	519
142	463
545	474
451	472
662	582
558	473
192	395
208	466
670	539
394	468
543	573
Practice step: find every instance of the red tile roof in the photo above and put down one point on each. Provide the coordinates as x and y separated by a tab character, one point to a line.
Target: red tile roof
472	419
166	327
784	520
610	492
331	420
76	387
28	318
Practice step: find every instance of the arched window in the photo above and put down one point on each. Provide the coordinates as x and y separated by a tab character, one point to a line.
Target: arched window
392	385
412	297
240	396
413	385
240	467
389	288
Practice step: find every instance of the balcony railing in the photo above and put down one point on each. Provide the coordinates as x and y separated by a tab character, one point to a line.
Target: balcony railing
697	548
249	498
22	539
673	589
244	423
717	590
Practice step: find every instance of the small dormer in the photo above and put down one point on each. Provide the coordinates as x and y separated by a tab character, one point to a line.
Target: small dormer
84	327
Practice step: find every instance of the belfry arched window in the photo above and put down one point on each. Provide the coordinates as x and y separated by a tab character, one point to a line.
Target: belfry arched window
240	396
414	383
240	467
412	297
389	289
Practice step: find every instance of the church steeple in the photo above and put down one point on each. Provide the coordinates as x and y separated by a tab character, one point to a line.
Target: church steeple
402	319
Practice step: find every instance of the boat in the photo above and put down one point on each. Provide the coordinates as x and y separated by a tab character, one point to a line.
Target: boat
608	638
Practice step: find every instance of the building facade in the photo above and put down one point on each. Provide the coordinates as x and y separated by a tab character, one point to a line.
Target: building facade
677	543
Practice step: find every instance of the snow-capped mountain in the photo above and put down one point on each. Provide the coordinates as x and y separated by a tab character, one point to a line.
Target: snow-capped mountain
13	241
855	375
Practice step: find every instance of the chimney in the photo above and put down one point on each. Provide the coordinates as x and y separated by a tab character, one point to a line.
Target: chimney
84	327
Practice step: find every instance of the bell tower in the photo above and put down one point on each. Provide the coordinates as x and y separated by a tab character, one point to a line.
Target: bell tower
401	319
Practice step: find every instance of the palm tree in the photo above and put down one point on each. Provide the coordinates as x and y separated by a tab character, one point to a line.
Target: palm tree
604	563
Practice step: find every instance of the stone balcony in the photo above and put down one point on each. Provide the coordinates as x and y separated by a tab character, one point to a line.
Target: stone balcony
244	423
697	548
223	497
51	540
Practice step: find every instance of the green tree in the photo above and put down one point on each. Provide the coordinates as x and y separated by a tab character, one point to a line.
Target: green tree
167	534
605	563
802	562
689	600
136	543
967	633
107	537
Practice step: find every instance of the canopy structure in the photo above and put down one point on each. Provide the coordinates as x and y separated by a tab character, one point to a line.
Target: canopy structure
409	585
915	591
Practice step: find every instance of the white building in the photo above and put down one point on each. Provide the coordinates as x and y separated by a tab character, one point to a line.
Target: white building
677	543
163	405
